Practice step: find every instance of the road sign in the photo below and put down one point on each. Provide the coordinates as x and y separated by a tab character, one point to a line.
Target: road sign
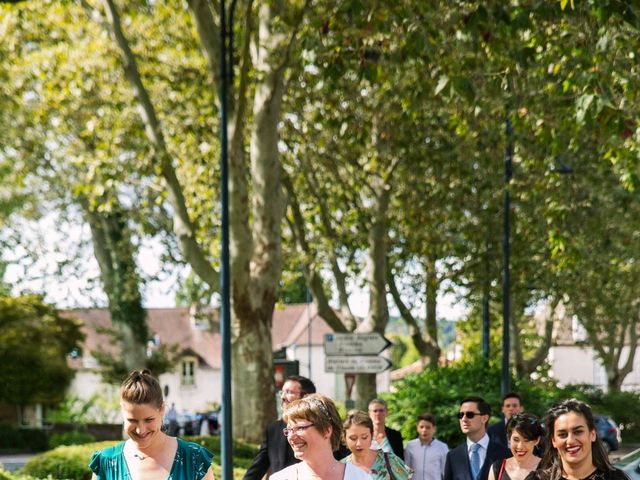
354	343
353	364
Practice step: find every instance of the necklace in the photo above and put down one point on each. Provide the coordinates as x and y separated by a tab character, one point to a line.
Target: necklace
140	456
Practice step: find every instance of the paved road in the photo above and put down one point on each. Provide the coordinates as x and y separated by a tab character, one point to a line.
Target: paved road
13	462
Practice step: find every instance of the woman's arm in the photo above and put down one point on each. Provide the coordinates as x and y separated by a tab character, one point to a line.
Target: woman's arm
209	475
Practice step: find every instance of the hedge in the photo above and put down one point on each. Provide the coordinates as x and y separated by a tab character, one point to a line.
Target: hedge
71	462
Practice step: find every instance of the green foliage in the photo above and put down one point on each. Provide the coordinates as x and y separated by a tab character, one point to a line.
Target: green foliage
403	351
71	462
22	439
72	409
440	390
293	288
34	343
70	438
6	475
64	462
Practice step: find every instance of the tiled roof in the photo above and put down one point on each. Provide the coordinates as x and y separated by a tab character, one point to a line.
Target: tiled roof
174	326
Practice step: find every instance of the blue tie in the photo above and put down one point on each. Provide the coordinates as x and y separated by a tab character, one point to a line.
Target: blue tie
475	461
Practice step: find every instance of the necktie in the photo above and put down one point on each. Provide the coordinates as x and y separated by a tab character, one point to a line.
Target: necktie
475	461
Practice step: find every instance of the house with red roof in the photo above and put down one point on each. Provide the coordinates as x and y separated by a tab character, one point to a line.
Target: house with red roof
195	383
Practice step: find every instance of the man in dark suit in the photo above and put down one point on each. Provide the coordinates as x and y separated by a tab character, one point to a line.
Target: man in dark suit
275	452
511	405
472	460
387	439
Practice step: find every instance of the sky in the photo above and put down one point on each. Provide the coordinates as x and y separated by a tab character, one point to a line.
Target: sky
77	285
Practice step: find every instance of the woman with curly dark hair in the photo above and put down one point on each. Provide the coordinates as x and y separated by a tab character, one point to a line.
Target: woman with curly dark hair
574	451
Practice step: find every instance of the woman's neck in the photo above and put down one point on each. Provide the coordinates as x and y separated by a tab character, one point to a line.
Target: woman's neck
530	462
364	458
154	448
321	467
580	471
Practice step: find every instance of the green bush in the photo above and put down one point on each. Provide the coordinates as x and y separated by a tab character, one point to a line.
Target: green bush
71	462
23	439
212	443
440	390
6	475
70	438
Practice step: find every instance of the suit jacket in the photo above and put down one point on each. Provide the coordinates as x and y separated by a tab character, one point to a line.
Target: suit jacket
498	433
275	453
457	466
395	440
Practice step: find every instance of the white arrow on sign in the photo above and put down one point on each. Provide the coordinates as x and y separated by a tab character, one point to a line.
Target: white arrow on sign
352	364
354	343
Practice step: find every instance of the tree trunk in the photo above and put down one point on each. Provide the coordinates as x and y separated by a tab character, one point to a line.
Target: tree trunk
115	254
431	321
252	359
378	315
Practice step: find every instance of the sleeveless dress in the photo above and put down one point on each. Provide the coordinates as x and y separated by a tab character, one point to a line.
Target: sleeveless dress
190	463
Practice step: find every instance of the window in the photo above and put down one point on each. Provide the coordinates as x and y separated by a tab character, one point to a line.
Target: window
188	372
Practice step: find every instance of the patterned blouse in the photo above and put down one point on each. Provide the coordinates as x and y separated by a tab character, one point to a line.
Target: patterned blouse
190	463
379	470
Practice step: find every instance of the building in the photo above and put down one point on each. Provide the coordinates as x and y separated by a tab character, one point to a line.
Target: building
195	384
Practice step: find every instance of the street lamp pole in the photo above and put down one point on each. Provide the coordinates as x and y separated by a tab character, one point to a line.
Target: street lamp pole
506	287
226	68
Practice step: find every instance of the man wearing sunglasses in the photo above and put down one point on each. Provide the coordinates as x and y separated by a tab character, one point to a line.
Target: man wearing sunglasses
472	460
275	453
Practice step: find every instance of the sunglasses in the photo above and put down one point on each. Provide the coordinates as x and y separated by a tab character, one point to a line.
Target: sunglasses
469	415
530	419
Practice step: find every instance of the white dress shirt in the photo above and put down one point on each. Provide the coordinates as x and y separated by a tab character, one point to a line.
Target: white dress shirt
426	459
482	451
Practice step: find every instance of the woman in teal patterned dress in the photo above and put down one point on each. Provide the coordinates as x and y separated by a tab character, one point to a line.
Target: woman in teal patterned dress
358	433
149	452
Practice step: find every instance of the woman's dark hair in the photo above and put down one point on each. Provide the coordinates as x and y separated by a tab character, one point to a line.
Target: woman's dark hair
551	465
526	425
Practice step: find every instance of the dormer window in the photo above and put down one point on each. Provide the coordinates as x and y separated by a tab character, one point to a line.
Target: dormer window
188	371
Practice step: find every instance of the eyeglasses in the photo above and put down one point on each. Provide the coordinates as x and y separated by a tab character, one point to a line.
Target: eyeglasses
297	430
378	410
469	415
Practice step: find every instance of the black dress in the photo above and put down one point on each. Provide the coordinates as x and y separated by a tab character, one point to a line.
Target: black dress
496	466
613	474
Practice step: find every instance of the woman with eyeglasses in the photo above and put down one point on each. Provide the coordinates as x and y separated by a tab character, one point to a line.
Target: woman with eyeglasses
149	452
314	430
574	451
380	465
524	432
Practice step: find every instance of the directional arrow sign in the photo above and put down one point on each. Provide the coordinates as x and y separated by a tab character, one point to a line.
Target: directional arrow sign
351	364
354	343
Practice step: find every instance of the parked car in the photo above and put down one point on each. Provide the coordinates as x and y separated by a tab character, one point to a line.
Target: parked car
630	464
608	432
